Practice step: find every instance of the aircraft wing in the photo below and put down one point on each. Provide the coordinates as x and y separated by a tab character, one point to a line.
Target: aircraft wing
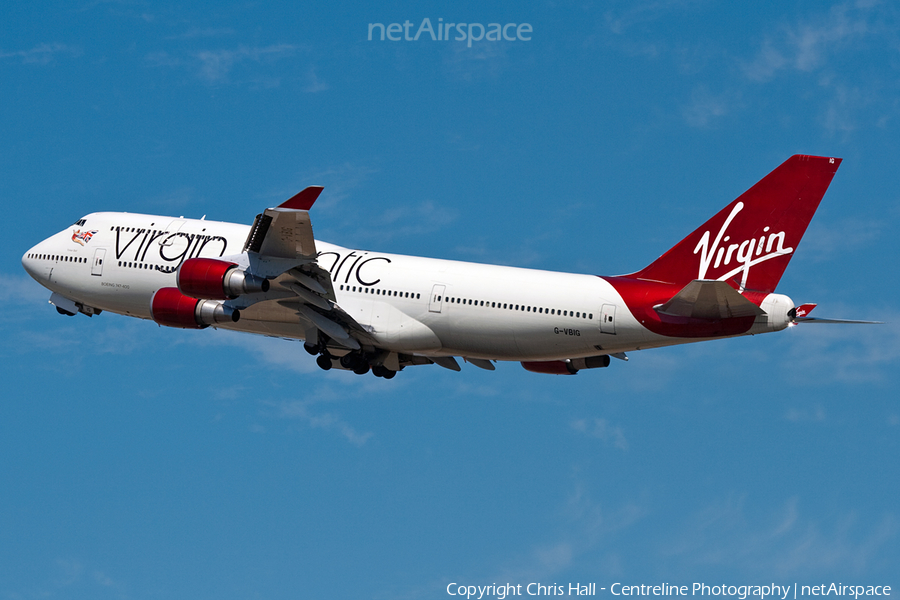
282	248
285	231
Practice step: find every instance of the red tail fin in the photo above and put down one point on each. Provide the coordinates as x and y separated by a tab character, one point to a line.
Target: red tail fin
750	242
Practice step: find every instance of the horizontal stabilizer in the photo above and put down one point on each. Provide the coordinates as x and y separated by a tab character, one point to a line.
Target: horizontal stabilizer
848	321
706	299
799	315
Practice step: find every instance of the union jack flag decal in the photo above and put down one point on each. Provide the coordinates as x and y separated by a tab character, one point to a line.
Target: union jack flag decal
82	237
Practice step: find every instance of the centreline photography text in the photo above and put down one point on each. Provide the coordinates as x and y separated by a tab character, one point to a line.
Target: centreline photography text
741	592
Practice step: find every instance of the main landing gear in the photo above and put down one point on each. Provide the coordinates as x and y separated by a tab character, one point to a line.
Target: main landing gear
352	361
382	371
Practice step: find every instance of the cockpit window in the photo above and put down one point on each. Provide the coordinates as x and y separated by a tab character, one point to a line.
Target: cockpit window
80	222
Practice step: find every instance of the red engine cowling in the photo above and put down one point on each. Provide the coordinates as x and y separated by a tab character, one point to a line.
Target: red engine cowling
553	367
208	278
567	367
171	308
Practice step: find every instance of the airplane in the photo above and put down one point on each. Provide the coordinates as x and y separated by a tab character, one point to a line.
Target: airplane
364	311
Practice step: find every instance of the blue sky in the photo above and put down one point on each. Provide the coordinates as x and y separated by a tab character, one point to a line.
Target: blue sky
141	462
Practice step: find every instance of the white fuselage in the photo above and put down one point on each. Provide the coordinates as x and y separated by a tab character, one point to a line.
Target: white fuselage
418	305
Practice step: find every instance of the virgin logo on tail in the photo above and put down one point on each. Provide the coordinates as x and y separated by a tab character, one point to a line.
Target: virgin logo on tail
747	253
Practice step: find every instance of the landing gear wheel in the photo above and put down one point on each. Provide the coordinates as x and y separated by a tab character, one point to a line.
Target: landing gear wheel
312	349
64	312
388	374
350	360
378	371
324	362
362	368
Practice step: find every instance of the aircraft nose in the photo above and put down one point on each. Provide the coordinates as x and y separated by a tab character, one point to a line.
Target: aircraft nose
30	261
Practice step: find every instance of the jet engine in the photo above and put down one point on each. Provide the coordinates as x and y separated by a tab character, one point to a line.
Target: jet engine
208	278
171	308
566	367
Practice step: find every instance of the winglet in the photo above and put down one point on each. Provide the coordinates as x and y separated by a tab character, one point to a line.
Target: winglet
303	200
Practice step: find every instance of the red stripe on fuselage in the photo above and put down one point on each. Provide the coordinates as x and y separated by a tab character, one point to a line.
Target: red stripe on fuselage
641	296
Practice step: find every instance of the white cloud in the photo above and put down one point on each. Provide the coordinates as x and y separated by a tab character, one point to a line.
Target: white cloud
825	353
315	84
638	13
586	528
799	415
805	45
412	220
705	107
216	66
41	54
328	421
483	59
824	242
602	430
21	290
275	353
117	335
202	32
786	543
339	182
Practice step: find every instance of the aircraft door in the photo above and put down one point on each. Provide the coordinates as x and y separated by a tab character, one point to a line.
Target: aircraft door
608	319
437	298
97	264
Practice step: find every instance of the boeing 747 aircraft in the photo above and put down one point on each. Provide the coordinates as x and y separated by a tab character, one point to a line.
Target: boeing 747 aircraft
361	310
